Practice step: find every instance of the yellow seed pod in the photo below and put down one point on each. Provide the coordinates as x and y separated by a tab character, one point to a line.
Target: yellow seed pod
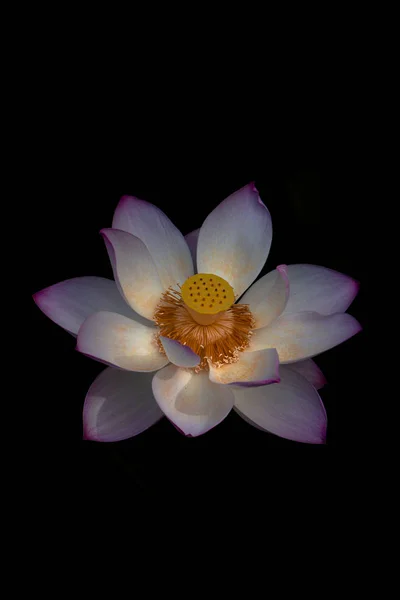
207	294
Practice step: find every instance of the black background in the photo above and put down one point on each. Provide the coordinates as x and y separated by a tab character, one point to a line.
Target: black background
317	219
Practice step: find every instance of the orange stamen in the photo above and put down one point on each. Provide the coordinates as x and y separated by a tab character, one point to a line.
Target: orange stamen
220	342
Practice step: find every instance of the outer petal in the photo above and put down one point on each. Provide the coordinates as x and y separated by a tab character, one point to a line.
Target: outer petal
164	241
306	334
178	354
134	271
191	240
291	409
252	369
119	405
249	421
235	239
311	371
191	401
318	289
70	302
120	342
267	297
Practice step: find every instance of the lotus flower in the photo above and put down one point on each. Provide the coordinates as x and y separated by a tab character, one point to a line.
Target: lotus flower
177	341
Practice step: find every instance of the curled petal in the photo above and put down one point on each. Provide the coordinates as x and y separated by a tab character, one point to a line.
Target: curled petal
267	297
70	302
252	369
303	335
311	371
191	401
120	342
314	288
178	354
235	239
191	240
119	405
164	241
134	271
291	409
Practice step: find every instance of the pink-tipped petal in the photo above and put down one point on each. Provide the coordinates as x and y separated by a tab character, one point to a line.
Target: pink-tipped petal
120	342
291	409
311	371
304	335
191	240
134	271
314	288
190	400
70	302
235	239
252	369
164	241
267	297
119	405
178	354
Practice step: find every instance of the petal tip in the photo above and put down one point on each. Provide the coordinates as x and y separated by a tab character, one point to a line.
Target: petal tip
38	296
322	380
35	297
86	436
125	198
109	245
358	328
251	187
104	232
124	201
324	432
356	286
189	435
282	270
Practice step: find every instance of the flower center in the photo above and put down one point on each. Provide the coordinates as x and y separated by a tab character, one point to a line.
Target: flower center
205	296
203	316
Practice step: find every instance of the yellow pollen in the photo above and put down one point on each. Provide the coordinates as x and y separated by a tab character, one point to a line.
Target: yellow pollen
219	293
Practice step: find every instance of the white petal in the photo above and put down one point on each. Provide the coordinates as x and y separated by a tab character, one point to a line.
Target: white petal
311	371
291	409
164	241
268	296
191	240
134	271
119	405
70	302
235	239
252	369
178	354
314	288
191	401
120	342
306	334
